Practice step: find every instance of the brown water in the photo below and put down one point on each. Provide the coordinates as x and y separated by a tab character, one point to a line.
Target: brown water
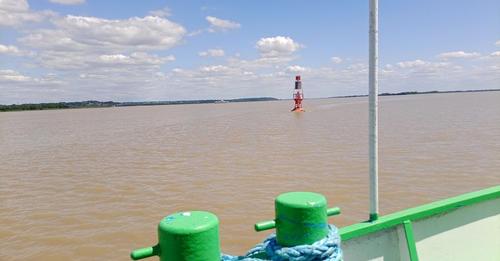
92	184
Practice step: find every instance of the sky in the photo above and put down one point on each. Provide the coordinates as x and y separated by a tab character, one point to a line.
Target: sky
150	50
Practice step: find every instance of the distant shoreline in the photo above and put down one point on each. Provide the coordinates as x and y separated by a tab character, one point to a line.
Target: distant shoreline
107	104
415	93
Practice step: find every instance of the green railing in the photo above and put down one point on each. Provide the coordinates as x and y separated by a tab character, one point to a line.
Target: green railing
419	212
405	217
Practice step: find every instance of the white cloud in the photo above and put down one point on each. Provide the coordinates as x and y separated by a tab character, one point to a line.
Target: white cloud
336	59
212	53
495	54
262	63
277	46
458	54
387	69
195	32
8	49
164	12
11	50
214	68
17	87
422	64
221	24
12	76
412	64
497	43
79	42
137	58
429	75
14	5
16	12
358	67
149	32
424	69
57	40
68	2
296	69
115	58
74	61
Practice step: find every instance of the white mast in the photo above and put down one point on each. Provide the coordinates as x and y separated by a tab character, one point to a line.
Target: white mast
373	110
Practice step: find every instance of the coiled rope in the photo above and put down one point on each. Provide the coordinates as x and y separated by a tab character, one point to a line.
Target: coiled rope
327	249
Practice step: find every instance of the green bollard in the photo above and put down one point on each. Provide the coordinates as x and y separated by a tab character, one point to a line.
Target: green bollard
301	218
185	236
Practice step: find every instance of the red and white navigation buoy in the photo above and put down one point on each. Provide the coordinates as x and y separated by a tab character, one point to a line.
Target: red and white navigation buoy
298	95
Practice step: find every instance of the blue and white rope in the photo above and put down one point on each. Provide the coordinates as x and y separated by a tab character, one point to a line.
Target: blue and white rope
327	249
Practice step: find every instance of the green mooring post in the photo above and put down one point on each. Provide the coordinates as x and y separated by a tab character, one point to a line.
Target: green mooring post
185	236
301	218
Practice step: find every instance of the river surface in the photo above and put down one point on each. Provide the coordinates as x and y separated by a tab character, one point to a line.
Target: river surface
92	184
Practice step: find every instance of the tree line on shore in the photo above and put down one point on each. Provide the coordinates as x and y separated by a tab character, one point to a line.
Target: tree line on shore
56	105
100	104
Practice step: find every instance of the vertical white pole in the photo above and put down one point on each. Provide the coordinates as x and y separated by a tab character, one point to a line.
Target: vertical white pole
373	110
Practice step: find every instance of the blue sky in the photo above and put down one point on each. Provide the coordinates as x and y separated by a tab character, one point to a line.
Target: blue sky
67	50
